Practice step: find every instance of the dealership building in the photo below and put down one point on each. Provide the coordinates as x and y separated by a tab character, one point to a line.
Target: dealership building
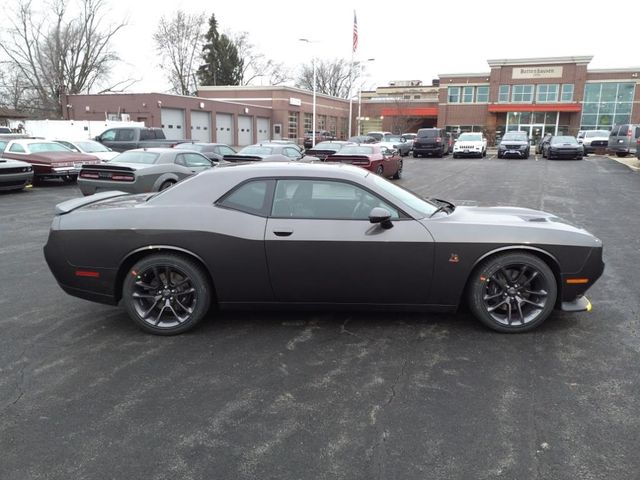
558	95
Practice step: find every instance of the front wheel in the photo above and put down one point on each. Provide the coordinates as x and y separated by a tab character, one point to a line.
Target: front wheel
398	174
380	170
512	292
166	294
621	154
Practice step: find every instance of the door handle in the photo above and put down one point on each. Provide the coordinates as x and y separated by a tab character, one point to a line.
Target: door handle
282	233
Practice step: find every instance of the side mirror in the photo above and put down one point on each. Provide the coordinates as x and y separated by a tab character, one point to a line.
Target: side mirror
97	139
382	216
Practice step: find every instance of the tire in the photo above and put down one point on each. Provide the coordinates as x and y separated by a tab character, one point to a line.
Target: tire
398	174
499	155
416	155
512	292
484	153
70	179
441	153
149	283
621	154
166	184
579	157
455	156
380	170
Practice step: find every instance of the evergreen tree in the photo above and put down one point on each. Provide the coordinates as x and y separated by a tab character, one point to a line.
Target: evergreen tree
222	64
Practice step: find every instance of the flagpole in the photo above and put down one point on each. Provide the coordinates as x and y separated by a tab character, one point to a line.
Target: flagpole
354	46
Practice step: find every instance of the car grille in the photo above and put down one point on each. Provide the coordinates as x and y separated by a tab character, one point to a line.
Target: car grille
513	147
12	170
599	143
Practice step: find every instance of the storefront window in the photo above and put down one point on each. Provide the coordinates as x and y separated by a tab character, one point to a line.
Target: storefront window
607	104
482	94
522	94
567	93
308	122
503	94
547	93
454	95
467	95
293	125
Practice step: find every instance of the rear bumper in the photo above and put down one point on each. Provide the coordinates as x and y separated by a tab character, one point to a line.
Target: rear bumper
427	148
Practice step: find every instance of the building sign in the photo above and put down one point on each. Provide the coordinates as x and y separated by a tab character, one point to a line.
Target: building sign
295	101
537	72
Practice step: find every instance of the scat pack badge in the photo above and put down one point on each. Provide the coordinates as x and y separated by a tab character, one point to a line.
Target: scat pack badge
454	258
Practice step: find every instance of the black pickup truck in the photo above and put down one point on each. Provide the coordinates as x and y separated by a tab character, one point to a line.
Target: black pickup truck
121	139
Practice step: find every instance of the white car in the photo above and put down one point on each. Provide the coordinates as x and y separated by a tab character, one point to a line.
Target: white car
90	147
591	140
470	145
396	142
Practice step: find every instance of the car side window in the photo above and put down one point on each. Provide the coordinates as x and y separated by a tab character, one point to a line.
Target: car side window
196	160
109	136
325	199
124	135
70	146
291	153
251	197
16	148
3	145
224	150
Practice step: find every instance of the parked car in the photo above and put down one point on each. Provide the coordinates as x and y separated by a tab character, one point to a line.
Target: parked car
396	142
592	140
142	170
544	140
213	151
90	147
430	141
321	136
375	158
48	159
361	139
470	144
260	151
5	130
121	139
15	174
563	146
323	149
623	139
409	137
290	143
379	136
306	236
514	144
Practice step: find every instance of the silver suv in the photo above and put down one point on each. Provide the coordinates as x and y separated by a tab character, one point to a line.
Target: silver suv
623	139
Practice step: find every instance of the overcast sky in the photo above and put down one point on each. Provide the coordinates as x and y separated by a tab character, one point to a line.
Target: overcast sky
412	40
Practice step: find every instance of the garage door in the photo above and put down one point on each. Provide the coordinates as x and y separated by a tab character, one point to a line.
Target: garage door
264	129
245	130
173	123
224	131
201	126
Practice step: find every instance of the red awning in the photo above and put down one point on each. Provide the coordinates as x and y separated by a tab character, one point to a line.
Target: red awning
410	112
527	107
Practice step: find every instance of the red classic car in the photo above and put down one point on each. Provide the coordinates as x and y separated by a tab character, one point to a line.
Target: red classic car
378	159
49	159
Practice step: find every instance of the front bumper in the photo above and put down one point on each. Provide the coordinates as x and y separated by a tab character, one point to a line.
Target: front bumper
15	181
467	153
580	304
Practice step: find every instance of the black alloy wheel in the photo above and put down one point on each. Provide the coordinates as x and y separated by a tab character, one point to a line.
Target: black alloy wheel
398	174
166	294
513	292
380	170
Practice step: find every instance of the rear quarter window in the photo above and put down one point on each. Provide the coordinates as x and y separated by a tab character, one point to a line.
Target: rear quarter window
251	197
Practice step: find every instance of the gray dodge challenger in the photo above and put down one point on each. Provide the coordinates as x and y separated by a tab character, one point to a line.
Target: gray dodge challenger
292	235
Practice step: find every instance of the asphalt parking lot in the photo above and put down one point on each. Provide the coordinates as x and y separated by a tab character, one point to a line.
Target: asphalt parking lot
86	395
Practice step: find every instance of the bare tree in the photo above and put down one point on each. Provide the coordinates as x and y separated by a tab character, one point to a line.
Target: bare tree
255	64
179	41
61	51
333	77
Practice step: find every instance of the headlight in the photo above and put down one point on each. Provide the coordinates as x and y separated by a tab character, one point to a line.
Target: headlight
502	147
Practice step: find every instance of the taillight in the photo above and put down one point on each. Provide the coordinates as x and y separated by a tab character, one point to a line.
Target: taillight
122	178
629	132
84	174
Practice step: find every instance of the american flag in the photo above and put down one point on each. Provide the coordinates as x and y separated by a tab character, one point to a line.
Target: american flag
355	32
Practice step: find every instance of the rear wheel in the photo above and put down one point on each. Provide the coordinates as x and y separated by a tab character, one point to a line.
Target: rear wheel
166	294
512	292
166	185
621	154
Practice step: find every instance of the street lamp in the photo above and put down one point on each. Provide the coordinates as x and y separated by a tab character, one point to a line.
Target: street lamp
313	121
359	103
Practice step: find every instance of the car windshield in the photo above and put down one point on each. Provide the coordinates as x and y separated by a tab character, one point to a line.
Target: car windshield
328	146
406	196
409	136
256	150
377	136
392	138
563	139
597	133
91	147
470	137
429	133
132	156
356	150
190	146
47	147
515	137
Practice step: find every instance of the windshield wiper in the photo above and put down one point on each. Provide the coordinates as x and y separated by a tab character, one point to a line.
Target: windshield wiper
444	206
